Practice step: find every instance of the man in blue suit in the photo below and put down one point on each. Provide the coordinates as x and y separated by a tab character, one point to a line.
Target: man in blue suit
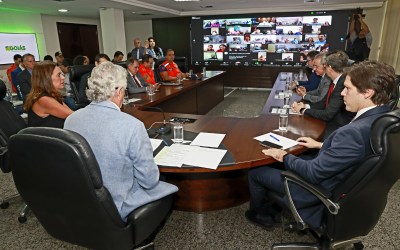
119	141
367	88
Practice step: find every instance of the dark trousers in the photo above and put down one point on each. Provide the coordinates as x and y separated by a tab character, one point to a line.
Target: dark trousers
261	181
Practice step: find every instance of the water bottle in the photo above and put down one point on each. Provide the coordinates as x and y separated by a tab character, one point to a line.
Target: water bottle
204	71
9	95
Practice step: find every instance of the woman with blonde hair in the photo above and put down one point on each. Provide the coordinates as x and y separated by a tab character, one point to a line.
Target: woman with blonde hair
44	103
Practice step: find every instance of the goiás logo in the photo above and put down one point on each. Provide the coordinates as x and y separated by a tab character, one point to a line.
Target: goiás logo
16	48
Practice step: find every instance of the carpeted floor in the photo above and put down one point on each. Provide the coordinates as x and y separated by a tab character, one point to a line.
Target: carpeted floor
224	229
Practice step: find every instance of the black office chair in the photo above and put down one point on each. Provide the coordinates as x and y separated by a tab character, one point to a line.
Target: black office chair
394	98
58	176
10	124
157	63
354	207
75	74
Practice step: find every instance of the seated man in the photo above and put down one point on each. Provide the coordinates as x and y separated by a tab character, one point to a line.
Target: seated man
169	70
368	87
136	83
314	79
317	95
331	109
145	69
100	58
119	142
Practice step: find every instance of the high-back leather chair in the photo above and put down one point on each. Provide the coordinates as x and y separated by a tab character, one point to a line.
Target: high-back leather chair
76	73
354	207
394	98
10	124
58	176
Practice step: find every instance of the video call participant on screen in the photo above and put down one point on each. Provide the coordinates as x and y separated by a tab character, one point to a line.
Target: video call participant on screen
44	103
128	170
368	87
169	70
145	69
332	108
136	83
318	94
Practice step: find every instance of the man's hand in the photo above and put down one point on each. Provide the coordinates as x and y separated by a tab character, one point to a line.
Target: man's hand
296	106
301	91
275	153
293	85
309	142
146	44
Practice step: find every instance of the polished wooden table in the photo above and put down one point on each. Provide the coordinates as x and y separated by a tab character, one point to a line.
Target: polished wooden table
202	189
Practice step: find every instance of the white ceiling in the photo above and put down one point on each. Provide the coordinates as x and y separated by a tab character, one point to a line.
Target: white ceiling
149	9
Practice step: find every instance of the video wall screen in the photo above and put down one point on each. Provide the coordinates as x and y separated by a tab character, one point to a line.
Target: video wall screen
266	39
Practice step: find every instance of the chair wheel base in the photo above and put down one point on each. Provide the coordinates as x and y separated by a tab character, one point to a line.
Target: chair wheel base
22	219
4	205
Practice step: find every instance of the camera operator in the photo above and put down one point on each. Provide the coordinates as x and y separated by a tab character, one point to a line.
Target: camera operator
360	38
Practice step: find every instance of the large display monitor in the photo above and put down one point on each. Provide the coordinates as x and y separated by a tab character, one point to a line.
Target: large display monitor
13	43
266	39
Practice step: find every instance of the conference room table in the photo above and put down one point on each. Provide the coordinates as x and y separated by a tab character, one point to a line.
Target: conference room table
203	189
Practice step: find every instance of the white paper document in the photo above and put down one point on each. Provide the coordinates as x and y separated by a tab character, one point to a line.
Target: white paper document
155	143
177	154
276	110
133	100
277	139
211	140
172	156
204	157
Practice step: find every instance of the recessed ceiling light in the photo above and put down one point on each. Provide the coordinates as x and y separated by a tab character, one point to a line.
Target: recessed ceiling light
187	0
63	10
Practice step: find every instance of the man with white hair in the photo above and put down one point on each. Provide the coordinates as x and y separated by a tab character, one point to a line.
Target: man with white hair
119	141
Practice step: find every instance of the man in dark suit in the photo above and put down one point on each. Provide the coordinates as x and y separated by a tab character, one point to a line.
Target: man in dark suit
331	108
136	83
138	51
367	89
24	78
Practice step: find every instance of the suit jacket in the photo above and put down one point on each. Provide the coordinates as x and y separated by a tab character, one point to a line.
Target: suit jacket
312	83
142	50
341	152
335	114
318	94
132	86
14	75
124	153
24	82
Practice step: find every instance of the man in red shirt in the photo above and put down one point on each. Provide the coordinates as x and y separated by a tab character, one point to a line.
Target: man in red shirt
169	70
145	69
17	61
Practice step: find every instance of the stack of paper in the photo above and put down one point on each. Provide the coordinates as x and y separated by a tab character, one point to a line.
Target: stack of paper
178	154
202	152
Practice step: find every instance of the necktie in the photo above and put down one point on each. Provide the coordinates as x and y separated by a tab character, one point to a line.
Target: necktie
137	54
137	81
331	87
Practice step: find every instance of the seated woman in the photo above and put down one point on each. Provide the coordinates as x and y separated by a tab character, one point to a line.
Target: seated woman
44	102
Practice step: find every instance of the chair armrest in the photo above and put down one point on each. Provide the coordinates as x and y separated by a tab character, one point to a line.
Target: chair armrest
322	194
316	190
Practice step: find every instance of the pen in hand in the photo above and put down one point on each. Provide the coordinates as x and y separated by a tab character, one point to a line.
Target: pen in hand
273	137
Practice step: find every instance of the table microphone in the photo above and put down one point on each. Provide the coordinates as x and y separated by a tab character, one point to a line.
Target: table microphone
165	128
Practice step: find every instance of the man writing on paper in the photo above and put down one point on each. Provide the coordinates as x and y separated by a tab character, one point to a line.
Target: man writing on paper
367	88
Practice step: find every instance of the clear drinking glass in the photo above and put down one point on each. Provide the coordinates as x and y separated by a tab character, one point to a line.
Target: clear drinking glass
283	121
177	128
150	89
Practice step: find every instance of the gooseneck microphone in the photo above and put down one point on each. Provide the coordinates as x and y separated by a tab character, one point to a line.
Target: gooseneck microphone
166	127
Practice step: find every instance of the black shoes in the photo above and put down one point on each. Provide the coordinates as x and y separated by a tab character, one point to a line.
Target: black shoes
266	222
